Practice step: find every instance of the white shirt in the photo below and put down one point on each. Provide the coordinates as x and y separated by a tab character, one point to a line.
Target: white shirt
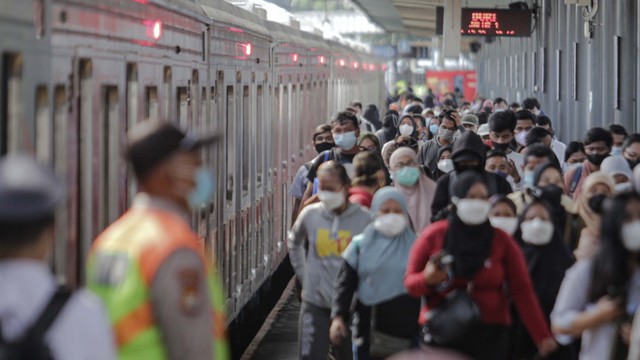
80	332
559	148
518	160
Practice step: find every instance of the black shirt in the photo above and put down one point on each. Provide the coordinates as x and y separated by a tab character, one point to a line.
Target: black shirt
333	154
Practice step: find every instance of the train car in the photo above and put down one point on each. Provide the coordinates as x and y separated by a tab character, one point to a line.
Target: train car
77	74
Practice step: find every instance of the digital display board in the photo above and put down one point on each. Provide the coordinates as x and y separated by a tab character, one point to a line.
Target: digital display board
495	22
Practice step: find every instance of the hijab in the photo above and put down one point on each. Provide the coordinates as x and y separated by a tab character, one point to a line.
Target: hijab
547	263
371	113
438	173
390	126
380	261
419	196
552	198
414	133
470	245
592	219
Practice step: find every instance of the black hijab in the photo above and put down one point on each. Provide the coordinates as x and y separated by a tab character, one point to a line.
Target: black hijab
470	245
371	113
550	194
390	125
546	263
414	134
438	173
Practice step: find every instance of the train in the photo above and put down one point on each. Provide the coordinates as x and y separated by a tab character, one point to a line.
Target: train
76	74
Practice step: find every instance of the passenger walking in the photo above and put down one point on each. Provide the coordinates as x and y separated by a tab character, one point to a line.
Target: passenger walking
372	115
428	151
597	187
558	147
374	265
600	294
389	128
40	319
618	168
574	155
369	177
445	164
503	214
328	227
416	187
631	150
148	266
501	133
597	146
547	259
486	261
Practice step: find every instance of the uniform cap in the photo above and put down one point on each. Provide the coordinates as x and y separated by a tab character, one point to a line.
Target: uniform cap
29	191
150	143
483	130
470	119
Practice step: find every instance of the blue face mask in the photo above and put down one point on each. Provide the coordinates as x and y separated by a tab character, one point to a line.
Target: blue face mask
616	150
204	189
407	176
434	129
528	178
345	141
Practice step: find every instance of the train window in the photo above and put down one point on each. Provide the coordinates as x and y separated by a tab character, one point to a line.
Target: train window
132	95
14	131
183	107
246	136
109	156
86	222
60	259
44	133
259	135
230	118
166	106
151	103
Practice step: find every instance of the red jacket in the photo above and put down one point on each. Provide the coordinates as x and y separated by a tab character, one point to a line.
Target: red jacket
504	272
358	195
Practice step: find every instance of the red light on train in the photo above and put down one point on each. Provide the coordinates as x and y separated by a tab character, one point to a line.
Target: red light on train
321	59
341	62
154	29
356	65
294	57
247	49
372	67
384	67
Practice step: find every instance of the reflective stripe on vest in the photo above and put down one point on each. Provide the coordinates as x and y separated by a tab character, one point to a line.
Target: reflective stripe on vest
121	275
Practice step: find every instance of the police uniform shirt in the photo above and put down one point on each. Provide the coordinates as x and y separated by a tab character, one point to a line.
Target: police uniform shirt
81	330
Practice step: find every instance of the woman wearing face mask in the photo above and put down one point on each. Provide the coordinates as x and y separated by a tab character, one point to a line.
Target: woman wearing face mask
327	227
547	260
597	187
544	175
416	187
490	260
599	294
406	129
503	214
389	127
374	265
445	164
618	168
369	177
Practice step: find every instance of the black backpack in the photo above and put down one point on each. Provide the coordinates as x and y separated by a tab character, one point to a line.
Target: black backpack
31	345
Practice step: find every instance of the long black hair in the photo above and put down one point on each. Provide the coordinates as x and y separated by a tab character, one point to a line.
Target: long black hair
610	272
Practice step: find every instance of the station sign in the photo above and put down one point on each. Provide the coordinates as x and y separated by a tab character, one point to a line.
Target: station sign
495	22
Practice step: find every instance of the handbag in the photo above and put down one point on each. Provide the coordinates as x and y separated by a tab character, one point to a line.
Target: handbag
453	320
383	345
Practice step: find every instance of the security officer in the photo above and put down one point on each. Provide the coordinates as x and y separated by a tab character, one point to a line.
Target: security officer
37	316
149	267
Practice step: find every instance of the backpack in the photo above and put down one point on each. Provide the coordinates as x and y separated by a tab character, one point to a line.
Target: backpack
575	179
316	182
31	345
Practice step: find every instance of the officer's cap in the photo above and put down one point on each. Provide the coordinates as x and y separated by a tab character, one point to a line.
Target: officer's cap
29	191
150	143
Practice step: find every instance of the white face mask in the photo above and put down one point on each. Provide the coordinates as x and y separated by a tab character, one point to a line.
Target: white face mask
472	211
630	238
537	231
406	130
623	187
446	165
390	225
330	199
506	224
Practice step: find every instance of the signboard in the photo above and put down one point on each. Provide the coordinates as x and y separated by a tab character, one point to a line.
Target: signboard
442	82
495	22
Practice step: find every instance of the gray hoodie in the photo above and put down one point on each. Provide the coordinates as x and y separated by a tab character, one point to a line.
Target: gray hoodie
328	235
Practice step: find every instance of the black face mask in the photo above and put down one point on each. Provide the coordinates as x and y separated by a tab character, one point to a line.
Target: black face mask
324	146
597	159
500	147
633	163
462	168
551	193
595	203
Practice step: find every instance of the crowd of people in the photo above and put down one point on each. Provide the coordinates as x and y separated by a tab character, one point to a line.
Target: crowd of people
467	230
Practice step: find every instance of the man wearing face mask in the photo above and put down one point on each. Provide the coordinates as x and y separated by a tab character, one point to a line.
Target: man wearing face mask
428	151
148	267
501	127
322	141
499	105
345	131
597	146
468	155
525	121
532	105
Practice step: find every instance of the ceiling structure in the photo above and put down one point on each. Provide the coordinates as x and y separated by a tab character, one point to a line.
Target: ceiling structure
414	17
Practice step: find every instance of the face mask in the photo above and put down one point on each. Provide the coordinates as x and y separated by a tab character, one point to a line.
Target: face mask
595	203
473	211
506	224
465	112
346	141
536	111
390	225
552	193
500	147
446	165
521	137
205	186
406	130
501	174
433	128
537	231
445	134
497	110
630	238
330	199
528	177
623	187
597	159
407	176
324	146
633	163
616	151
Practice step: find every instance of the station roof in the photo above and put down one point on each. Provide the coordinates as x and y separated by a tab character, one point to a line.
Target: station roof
415	17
